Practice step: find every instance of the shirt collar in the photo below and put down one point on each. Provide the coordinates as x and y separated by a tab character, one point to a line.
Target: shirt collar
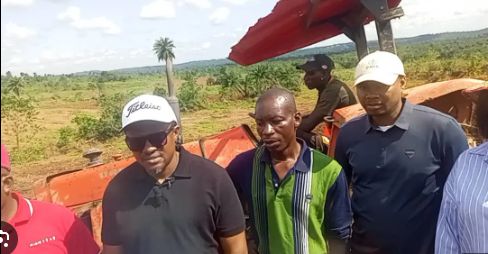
481	150
301	164
402	122
25	210
182	169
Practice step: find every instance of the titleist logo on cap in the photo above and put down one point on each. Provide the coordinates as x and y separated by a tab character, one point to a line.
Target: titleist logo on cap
141	105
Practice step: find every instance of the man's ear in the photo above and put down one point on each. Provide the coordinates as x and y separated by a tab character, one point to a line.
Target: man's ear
403	82
176	130
8	184
298	119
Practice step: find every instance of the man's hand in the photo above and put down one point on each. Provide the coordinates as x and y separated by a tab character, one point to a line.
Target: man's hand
320	143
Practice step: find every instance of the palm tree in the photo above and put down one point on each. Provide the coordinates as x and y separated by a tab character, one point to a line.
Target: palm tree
16	85
163	48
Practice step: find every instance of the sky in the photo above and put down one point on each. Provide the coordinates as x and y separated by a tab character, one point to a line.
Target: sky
66	36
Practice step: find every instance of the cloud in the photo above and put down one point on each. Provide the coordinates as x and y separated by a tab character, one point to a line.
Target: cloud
225	35
200	4
236	2
439	16
15	60
13	35
73	16
17	3
140	52
206	45
16	32
219	15
72	13
53	57
158	9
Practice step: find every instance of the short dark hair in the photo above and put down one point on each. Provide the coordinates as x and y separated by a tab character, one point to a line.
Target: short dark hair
482	113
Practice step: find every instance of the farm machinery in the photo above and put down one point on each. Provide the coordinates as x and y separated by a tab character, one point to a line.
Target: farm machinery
292	24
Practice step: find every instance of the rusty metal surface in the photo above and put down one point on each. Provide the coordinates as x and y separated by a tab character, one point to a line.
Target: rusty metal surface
96	223
80	187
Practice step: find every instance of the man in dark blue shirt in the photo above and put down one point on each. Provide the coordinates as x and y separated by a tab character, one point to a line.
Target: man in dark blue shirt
397	158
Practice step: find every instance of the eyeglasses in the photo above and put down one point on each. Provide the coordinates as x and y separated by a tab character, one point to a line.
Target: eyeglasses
158	140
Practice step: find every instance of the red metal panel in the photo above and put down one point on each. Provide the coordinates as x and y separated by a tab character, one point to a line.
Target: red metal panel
79	187
224	147
285	28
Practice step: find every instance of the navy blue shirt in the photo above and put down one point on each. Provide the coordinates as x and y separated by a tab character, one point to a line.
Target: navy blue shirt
337	207
397	178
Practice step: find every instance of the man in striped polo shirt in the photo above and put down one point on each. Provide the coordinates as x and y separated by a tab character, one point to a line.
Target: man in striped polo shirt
463	219
296	196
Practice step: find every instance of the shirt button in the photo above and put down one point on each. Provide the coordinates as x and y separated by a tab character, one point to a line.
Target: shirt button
378	166
276	185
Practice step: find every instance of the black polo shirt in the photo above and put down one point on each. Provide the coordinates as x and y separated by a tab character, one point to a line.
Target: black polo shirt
397	178
186	215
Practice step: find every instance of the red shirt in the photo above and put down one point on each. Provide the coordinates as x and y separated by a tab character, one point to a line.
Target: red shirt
48	228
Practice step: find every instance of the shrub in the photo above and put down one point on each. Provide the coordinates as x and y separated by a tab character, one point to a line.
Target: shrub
190	93
87	126
108	125
160	91
66	136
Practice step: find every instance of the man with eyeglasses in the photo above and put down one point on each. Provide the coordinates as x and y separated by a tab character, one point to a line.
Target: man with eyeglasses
168	201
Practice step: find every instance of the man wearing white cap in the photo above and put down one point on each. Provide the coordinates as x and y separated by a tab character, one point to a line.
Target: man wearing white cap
168	201
397	158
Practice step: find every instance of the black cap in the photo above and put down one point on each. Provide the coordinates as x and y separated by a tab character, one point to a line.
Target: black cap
318	62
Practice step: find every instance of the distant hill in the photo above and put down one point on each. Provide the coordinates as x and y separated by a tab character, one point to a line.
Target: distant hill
349	46
301	53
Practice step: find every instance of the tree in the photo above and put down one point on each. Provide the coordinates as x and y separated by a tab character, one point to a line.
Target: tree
19	117
97	85
19	113
163	48
16	85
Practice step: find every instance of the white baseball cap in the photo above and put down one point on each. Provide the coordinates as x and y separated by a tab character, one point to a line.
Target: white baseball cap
147	108
380	66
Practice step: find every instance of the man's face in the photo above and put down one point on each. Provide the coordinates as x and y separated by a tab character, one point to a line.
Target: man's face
276	123
153	144
315	78
6	186
379	99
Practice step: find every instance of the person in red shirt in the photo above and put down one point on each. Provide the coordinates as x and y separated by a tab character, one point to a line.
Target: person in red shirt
42	227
